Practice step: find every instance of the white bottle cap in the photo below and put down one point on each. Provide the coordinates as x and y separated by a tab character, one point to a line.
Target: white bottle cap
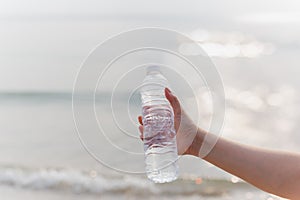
151	68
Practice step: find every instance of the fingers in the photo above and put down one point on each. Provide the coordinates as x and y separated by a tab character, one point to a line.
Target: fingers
140	120
173	101
175	105
141	129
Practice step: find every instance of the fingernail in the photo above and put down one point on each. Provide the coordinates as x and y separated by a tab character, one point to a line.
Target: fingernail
168	90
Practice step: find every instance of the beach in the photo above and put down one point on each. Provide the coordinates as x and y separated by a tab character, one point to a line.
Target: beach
72	184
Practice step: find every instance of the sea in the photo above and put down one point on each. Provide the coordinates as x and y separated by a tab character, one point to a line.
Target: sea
42	155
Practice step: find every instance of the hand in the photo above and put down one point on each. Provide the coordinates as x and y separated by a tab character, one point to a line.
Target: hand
186	130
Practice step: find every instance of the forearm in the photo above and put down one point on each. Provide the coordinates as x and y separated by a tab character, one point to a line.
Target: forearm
272	171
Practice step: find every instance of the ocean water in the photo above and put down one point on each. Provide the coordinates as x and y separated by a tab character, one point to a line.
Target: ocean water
41	155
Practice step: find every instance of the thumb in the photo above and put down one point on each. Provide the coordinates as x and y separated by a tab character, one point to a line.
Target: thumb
173	101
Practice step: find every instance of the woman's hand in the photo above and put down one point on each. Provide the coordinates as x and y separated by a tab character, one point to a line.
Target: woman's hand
186	130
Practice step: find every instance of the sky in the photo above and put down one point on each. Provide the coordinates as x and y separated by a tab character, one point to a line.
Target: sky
43	43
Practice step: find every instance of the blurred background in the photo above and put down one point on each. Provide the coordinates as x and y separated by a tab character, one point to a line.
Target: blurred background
255	46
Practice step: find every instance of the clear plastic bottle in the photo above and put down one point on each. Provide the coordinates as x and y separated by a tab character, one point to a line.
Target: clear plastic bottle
159	132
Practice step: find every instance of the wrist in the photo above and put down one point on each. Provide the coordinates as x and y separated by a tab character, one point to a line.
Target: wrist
197	142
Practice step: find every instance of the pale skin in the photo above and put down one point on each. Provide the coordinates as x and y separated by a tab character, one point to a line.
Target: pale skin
276	172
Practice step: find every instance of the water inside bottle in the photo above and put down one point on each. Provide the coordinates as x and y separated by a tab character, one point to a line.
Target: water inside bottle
160	143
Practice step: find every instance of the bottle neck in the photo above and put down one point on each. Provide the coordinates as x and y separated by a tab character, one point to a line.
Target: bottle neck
153	72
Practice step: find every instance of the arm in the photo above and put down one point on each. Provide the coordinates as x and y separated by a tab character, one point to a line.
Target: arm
275	172
272	171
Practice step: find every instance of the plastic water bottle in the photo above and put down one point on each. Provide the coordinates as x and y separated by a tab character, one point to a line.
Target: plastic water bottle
159	132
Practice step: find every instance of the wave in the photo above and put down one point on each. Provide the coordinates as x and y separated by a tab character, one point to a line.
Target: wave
71	180
93	182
